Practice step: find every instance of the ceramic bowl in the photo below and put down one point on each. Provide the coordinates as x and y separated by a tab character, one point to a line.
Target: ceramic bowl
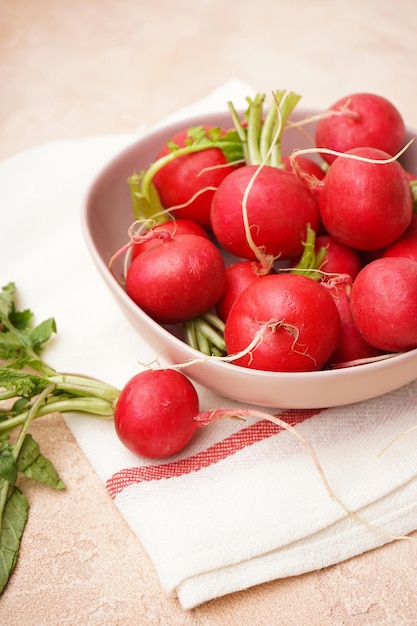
106	216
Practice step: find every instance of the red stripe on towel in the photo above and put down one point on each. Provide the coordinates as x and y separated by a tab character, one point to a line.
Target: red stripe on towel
221	450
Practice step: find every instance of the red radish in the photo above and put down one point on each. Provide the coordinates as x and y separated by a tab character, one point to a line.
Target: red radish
154	414
278	208
405	246
352	345
384	303
261	211
413	225
304	167
177	281
174	227
181	179
295	318
361	119
239	275
365	205
339	259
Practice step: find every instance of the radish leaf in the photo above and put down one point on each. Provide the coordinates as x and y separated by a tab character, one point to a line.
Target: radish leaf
19	342
33	464
200	138
15	514
22	383
31	395
8	466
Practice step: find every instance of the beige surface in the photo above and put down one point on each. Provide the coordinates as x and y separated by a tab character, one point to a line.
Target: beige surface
70	69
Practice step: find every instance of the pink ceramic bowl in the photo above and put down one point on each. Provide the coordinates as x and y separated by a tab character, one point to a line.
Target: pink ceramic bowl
106	216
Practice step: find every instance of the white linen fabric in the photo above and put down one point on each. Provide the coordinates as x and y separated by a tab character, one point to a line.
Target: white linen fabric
243	503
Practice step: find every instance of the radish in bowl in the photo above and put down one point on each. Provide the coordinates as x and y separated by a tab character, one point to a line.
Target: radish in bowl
105	232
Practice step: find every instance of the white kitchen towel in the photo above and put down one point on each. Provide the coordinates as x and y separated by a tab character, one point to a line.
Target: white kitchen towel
243	503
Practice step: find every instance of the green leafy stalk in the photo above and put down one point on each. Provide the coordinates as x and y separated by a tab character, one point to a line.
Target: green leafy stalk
85	386
413	186
8	467
93	406
260	134
21	344
33	464
310	261
23	383
254	125
146	206
206	334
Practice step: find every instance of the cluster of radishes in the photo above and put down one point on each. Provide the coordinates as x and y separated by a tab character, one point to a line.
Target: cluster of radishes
324	248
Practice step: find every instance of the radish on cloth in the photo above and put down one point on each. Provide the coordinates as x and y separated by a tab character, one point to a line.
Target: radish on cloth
154	414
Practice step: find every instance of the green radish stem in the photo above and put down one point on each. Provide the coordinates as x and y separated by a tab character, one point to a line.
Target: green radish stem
269	326
261	137
93	406
413	186
145	206
85	386
206	334
71	383
310	261
84	395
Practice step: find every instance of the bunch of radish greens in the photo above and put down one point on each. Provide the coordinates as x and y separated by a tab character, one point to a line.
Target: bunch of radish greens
29	389
323	241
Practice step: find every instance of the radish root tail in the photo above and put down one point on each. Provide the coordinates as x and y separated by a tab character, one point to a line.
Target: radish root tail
208	417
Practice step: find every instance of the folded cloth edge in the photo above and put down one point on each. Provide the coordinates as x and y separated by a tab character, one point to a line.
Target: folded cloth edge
309	554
